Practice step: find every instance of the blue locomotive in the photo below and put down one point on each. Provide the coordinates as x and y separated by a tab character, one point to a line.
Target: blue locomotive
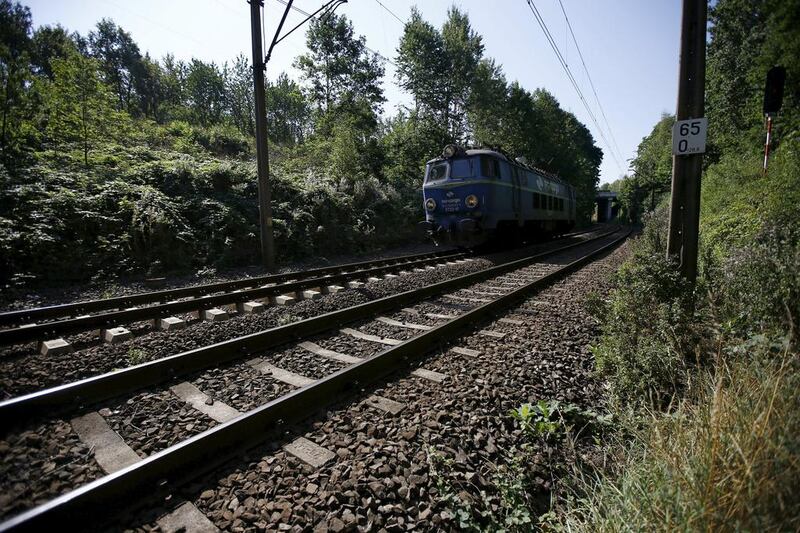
473	196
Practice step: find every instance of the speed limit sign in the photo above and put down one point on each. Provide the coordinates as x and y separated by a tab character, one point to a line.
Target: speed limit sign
689	136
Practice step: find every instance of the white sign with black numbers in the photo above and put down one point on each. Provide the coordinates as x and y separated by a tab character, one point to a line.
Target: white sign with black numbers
689	136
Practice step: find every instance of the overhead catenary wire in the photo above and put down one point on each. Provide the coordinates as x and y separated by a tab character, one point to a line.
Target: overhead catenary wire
571	78
551	40
392	13
589	77
305	13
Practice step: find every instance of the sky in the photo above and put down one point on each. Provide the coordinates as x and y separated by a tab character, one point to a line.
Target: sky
630	47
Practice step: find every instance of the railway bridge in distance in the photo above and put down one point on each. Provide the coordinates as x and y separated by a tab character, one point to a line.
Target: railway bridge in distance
606	207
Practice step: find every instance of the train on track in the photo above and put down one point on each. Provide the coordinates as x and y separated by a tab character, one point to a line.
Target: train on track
475	196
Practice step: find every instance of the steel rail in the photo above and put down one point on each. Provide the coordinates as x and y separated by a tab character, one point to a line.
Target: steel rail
26	316
161	474
23	316
127	316
104	386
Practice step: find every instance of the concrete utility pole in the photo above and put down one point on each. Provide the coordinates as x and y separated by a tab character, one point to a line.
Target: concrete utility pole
262	148
684	217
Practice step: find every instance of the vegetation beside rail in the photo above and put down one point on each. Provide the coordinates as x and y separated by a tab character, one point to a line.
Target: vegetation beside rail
707	404
113	162
701	426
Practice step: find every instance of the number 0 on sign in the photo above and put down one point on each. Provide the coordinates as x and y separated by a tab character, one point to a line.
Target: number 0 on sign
689	136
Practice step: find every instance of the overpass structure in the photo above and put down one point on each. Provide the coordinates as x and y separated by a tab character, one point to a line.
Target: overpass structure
607	207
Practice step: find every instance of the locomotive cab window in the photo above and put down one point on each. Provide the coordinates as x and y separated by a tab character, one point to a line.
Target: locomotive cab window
490	167
462	168
436	171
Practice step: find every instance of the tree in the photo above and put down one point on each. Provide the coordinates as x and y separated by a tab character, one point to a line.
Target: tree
148	84
463	49
653	163
78	106
288	112
421	64
410	140
488	109
205	92
120	61
338	67
15	29
439	69
48	43
747	38
173	88
239	94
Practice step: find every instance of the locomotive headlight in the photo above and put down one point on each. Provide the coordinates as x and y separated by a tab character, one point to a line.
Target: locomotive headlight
430	204
450	150
471	201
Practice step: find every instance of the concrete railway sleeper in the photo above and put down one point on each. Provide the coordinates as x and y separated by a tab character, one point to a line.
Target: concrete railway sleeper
137	481
88	391
40	324
24	316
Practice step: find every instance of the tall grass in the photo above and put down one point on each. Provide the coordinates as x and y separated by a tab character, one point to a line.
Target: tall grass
726	460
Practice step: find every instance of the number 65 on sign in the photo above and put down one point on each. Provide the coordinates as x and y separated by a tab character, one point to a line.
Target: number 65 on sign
689	136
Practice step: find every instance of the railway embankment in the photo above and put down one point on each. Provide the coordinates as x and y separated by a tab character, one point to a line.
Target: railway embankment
702	380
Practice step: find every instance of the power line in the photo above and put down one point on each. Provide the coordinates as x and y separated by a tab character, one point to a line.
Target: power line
392	13
543	25
304	13
589	77
571	78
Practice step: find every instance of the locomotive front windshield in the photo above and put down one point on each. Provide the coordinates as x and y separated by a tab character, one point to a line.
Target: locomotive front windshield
462	168
436	171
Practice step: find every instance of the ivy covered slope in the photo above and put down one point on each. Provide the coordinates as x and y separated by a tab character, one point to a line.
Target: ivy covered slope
114	162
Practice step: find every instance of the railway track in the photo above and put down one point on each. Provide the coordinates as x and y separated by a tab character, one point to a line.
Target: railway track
421	319
53	321
244	295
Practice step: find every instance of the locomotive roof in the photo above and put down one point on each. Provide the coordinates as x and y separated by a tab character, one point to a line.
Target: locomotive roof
501	155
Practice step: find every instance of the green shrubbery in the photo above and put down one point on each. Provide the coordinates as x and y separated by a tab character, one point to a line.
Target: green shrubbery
645	323
710	394
725	461
164	203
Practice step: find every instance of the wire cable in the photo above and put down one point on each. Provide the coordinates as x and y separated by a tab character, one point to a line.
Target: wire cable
571	78
383	57
589	77
392	13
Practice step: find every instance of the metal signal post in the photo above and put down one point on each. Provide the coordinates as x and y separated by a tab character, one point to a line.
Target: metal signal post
684	217
262	148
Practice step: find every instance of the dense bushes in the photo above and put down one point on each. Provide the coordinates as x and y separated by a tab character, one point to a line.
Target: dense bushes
656	326
708	389
646	329
164	204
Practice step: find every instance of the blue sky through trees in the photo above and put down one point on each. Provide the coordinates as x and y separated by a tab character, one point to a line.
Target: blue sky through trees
629	46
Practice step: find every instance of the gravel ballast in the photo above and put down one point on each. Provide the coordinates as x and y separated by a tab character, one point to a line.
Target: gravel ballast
22	370
387	470
41	463
152	421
